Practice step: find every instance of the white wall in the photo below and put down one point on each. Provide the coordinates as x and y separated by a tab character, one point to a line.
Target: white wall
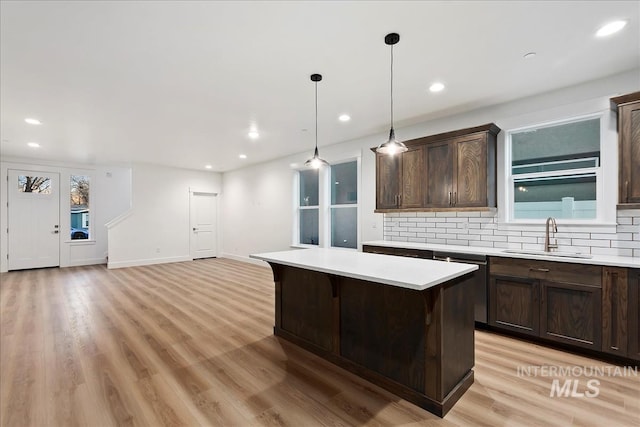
110	196
156	229
258	203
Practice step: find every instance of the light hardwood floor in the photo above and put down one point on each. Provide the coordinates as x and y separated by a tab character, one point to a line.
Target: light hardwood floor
192	344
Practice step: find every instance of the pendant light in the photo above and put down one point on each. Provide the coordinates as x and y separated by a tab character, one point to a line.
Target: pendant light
392	146
316	162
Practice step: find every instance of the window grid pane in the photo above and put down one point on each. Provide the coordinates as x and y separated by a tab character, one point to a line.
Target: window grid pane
309	226
79	207
344	227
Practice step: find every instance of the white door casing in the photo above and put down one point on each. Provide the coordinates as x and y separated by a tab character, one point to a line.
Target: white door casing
33	221
204	213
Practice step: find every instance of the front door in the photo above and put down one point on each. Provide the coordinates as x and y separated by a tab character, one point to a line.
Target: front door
33	219
203	240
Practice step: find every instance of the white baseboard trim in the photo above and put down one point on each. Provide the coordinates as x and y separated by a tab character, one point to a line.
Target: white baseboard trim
149	261
245	259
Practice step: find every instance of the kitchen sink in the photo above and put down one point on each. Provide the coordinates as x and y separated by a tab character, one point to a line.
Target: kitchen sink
550	254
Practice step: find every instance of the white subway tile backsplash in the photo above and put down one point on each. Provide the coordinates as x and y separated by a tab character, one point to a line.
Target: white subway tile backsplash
482	229
589	242
494	238
625	244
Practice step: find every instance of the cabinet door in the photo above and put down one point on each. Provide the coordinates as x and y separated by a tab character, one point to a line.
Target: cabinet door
615	310
629	128
571	313
470	187
412	164
387	181
514	304
440	177
634	314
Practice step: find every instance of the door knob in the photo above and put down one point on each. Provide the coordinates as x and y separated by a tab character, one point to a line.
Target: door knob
195	229
56	231
55	226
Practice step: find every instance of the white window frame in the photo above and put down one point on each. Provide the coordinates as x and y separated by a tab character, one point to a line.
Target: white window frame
90	230
352	205
324	206
299	208
597	170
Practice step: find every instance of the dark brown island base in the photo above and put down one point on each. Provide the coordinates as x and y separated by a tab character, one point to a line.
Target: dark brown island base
404	324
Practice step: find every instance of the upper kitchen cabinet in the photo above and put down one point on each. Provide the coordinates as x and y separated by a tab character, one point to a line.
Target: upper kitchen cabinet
449	171
399	179
628	107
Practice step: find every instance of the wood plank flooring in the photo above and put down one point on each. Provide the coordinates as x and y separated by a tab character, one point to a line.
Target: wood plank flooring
191	343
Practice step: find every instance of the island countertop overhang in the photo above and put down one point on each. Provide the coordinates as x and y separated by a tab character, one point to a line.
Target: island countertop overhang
410	273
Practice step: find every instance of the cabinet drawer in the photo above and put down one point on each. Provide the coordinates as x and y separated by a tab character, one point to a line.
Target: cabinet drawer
582	274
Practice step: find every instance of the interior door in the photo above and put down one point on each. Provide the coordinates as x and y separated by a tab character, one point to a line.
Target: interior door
33	219
204	238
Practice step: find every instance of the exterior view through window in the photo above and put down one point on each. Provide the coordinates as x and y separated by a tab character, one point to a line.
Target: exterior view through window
554	170
309	209
344	205
80	218
34	184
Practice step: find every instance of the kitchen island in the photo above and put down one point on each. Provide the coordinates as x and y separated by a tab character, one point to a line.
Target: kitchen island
404	324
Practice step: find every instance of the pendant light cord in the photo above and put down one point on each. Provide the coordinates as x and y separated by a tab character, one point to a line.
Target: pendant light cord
316	116
391	86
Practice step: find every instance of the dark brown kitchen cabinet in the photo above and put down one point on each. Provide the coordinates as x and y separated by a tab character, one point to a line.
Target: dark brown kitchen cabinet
399	179
387	181
552	300
634	314
406	252
453	170
513	304
628	107
440	177
570	313
615	310
412	177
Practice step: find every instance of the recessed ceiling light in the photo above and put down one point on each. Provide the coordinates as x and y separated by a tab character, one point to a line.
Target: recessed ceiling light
208	167
344	118
243	156
436	87
610	28
253	134
33	121
529	55
33	144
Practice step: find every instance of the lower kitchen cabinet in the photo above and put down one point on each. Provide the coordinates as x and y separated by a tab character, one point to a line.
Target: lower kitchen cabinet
513	304
615	310
552	300
570	313
634	314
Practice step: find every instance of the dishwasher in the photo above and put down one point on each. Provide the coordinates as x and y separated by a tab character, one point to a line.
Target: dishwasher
479	279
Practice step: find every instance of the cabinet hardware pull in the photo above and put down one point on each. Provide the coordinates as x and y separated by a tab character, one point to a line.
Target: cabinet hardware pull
399	199
626	184
542	270
455	198
449	198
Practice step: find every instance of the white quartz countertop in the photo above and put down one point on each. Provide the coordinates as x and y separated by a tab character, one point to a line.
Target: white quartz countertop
411	273
616	261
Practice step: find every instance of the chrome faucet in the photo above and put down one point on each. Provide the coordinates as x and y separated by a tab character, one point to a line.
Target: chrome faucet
548	246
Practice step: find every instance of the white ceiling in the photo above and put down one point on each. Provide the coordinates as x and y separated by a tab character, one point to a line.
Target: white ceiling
181	83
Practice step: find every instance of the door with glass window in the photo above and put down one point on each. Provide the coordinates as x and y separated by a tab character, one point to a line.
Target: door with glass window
33	219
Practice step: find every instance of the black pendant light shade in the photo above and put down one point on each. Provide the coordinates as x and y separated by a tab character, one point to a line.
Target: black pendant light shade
316	161
392	146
